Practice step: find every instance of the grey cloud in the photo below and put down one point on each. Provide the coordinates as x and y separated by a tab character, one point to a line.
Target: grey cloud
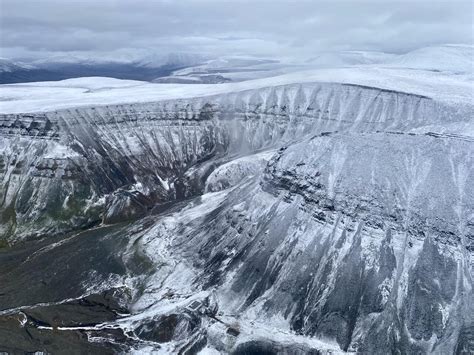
267	28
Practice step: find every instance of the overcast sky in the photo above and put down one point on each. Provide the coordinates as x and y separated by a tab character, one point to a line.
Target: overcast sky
276	28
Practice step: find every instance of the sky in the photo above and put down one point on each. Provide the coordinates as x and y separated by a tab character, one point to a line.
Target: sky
277	28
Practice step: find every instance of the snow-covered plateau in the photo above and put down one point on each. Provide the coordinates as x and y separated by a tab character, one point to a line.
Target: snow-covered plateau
317	212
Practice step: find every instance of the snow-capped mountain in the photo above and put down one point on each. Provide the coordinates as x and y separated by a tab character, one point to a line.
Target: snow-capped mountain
452	58
171	59
199	69
138	67
220	70
348	58
15	71
150	60
227	69
7	65
322	211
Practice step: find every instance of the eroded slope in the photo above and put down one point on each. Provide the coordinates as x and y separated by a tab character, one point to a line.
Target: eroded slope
334	211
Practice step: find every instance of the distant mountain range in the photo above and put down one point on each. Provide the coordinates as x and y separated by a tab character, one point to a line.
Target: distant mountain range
65	67
199	69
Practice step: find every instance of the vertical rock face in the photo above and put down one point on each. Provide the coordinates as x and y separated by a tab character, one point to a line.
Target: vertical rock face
340	215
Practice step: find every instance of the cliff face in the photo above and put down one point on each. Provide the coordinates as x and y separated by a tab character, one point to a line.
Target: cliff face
330	210
369	255
57	167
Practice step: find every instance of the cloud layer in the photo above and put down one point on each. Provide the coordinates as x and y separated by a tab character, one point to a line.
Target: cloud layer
289	28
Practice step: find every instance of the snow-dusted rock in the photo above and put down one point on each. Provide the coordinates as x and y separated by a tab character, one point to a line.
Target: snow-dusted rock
326	211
